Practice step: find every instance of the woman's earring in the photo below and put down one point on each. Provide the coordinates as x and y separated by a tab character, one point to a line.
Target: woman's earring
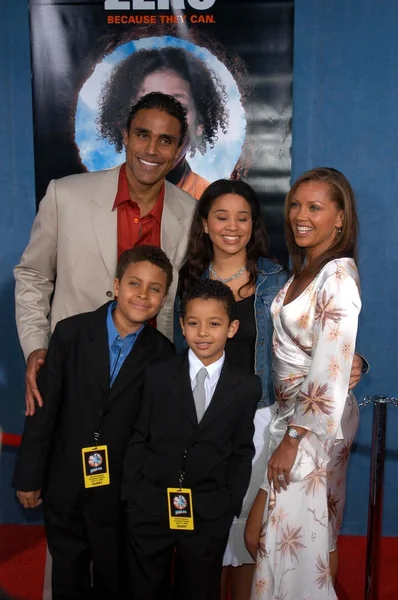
339	230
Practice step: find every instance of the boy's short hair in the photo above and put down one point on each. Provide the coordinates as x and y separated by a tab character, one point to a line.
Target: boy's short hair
152	254
210	289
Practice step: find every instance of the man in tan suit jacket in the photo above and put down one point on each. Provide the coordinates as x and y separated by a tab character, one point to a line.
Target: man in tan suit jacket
69	264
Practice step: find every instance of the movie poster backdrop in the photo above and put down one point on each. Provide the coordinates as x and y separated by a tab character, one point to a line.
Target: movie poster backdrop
228	62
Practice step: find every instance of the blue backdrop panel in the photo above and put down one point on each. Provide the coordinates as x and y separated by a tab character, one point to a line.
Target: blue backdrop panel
17	210
345	115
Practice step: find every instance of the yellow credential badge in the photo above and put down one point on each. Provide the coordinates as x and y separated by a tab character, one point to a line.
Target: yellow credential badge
95	466
179	502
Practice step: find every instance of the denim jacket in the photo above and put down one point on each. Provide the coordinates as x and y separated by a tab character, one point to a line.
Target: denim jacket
270	278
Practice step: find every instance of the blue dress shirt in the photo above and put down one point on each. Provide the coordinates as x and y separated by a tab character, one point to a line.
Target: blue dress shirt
119	348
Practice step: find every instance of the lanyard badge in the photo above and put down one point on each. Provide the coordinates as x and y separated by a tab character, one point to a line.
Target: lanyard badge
95	466
95	458
179	502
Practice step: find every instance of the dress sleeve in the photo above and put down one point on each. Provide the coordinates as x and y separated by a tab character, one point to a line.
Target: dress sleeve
322	397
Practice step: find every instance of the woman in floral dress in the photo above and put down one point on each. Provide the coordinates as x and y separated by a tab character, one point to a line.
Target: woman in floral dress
315	418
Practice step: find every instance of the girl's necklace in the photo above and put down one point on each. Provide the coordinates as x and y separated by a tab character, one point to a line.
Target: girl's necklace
228	279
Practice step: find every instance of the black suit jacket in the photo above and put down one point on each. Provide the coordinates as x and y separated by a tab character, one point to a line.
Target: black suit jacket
74	383
219	450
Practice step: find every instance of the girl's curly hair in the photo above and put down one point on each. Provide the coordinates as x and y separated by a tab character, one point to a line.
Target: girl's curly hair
121	89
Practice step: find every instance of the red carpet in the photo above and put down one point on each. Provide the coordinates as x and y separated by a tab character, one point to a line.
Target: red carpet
23	549
22	558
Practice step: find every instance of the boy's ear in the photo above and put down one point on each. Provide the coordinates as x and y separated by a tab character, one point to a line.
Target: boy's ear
182	325
163	301
116	284
233	328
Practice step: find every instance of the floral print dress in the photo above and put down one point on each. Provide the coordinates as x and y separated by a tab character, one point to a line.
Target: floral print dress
313	348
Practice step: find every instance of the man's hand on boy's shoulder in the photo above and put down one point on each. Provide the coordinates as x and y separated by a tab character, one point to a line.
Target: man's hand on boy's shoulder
36	360
30	499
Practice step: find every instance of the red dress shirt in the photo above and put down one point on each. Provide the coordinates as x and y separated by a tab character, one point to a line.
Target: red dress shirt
132	229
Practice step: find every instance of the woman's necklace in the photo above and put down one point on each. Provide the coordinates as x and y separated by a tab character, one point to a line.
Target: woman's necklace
228	279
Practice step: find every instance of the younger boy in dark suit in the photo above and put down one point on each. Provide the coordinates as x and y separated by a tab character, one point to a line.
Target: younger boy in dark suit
189	460
72	450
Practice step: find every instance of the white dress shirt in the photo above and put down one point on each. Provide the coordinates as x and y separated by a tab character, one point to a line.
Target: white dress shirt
213	370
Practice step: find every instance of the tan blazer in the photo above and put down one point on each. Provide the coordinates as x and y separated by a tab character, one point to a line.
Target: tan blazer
69	264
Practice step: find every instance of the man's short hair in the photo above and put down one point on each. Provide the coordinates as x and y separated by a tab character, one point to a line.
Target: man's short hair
152	254
162	102
210	289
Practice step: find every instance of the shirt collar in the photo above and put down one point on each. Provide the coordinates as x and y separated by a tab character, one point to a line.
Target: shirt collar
112	331
157	210
123	195
214	370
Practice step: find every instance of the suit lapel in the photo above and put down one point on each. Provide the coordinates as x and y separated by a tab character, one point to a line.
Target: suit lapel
180	386
98	348
136	361
223	396
104	219
172	227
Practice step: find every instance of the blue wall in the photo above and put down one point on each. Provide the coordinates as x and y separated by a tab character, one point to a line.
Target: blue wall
17	211
345	115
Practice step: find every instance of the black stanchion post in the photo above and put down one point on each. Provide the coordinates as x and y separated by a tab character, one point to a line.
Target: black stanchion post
376	497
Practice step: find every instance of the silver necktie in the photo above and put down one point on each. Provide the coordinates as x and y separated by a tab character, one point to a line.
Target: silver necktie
199	394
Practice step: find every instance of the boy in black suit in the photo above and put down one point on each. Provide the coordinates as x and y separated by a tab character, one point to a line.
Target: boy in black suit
189	459
72	450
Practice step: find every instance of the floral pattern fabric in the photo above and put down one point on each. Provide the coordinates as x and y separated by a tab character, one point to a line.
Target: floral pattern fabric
313	348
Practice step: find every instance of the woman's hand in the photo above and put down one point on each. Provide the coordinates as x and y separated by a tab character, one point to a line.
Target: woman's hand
281	463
